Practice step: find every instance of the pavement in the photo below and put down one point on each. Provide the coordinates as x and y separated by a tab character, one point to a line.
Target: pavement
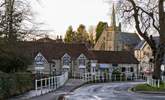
70	85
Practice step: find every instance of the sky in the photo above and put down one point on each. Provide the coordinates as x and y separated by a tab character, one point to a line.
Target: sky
57	15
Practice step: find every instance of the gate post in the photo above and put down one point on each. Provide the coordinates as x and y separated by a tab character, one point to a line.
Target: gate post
36	81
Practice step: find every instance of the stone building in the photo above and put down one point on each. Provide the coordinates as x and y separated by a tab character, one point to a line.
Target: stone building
143	53
123	61
50	57
113	39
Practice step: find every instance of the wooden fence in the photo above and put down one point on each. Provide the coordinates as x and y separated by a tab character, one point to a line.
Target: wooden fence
51	83
103	77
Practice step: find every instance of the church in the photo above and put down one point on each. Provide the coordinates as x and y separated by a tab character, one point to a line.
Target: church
113	39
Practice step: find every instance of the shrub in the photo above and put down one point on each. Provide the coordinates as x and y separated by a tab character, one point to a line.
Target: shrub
14	84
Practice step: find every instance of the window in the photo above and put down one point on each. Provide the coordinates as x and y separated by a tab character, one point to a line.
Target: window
66	60
81	61
131	69
53	65
115	65
123	69
39	59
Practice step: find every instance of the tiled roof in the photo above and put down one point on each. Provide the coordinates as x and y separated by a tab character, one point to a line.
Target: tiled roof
55	50
115	57
140	45
129	38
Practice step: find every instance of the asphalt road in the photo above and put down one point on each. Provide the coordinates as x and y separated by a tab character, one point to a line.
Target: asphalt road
111	91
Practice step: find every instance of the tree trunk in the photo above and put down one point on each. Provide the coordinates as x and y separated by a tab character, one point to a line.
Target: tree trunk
158	59
159	54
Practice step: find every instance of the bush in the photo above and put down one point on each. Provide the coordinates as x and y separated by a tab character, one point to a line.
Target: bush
14	84
116	75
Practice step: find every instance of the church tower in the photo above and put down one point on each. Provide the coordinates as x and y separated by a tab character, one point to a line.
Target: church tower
109	37
113	39
112	32
113	17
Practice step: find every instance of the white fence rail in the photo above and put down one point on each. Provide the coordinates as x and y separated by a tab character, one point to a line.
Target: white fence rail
46	85
102	77
153	82
163	78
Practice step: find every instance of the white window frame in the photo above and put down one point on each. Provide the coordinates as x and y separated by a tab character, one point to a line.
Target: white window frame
82	57
67	58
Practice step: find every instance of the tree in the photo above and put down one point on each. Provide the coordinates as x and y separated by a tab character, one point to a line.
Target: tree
147	15
70	35
99	29
13	14
82	35
79	36
92	34
12	58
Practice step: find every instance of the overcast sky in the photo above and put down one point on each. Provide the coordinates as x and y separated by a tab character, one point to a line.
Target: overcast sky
57	15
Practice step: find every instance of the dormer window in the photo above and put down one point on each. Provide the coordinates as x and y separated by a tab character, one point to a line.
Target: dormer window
66	60
39	59
81	59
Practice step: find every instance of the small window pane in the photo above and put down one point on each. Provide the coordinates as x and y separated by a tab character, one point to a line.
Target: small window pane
132	69
123	69
66	61
81	61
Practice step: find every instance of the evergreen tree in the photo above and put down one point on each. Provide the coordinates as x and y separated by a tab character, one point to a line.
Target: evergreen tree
70	35
99	29
82	35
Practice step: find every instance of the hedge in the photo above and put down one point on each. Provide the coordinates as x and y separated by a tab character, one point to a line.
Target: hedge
14	84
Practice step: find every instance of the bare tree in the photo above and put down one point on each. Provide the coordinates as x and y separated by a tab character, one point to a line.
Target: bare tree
147	16
15	18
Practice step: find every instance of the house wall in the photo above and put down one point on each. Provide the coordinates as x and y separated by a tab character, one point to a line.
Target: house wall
45	68
119	67
144	55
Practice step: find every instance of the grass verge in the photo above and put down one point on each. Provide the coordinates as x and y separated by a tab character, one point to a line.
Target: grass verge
146	87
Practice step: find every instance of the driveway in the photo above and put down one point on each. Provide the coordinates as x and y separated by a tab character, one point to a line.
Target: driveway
111	91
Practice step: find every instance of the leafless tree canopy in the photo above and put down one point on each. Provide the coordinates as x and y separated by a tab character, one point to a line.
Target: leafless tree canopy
148	16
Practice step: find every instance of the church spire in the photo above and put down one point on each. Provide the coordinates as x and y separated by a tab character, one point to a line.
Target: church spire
113	17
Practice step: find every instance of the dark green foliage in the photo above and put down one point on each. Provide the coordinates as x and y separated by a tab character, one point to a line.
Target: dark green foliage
99	29
14	84
12	58
116	75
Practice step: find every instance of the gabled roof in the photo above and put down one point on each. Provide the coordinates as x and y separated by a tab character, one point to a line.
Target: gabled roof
142	43
115	57
46	39
129	38
52	50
